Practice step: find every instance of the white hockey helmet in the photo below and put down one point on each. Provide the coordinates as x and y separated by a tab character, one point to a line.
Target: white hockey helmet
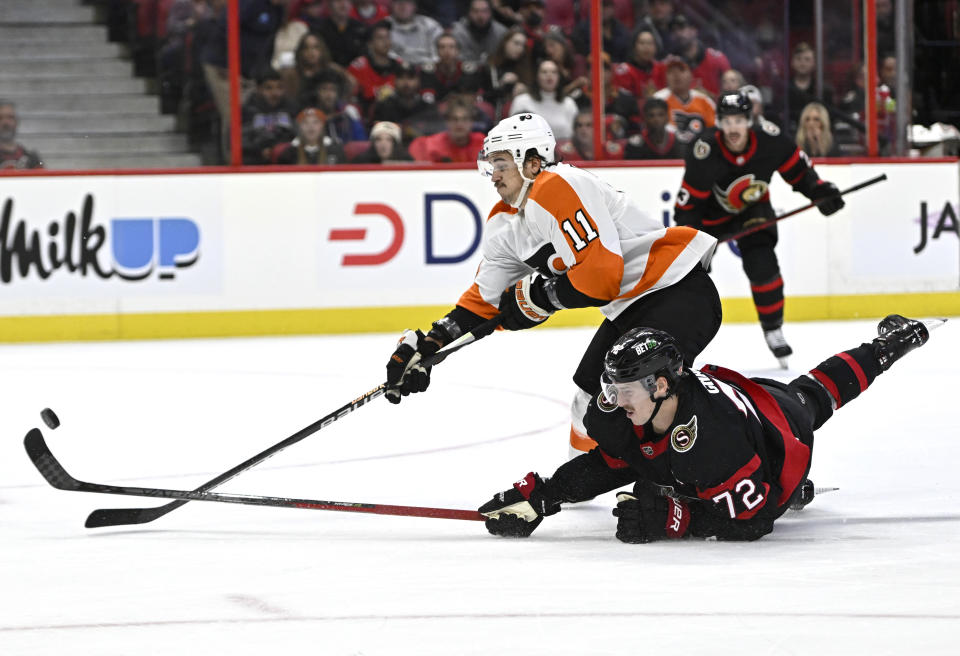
518	135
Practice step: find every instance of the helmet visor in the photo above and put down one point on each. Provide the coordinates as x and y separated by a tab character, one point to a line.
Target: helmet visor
499	161
622	394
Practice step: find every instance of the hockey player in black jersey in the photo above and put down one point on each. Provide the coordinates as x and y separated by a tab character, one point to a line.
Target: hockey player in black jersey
726	189
711	453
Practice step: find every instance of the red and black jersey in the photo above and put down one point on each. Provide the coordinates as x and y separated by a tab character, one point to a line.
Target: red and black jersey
718	184
731	450
641	146
466	78
373	82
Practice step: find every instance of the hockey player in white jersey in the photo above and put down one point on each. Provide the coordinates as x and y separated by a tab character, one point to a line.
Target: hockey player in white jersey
561	238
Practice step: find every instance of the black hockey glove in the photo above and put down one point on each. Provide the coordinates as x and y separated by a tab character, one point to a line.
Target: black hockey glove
827	197
516	512
647	516
405	374
519	308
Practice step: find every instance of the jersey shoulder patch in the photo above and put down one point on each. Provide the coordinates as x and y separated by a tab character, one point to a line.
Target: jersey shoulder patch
683	436
701	149
769	128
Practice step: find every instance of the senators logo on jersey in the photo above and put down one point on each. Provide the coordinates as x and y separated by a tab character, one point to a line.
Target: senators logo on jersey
741	193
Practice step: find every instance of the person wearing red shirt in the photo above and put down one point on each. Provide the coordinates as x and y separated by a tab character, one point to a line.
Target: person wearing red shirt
706	64
458	144
376	71
641	75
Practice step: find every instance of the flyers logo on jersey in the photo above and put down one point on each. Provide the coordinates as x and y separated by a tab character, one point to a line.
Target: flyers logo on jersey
684	435
742	192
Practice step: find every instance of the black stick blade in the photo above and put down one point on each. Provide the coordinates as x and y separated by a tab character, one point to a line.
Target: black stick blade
126	516
41	457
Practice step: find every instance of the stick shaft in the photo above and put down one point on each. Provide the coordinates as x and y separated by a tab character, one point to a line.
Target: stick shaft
55	474
118	516
787	215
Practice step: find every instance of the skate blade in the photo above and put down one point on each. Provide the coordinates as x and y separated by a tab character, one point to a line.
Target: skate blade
933	322
783	362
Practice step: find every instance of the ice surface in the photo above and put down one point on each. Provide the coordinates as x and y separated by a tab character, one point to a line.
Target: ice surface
870	569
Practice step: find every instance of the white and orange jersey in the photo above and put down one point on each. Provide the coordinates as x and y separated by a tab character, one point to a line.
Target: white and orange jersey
576	225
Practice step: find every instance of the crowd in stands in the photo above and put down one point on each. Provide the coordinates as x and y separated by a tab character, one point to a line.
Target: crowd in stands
369	81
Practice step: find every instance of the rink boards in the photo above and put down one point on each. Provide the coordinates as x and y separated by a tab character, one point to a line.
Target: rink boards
116	256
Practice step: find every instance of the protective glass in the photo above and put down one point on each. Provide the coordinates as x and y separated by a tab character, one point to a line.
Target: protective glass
498	162
626	393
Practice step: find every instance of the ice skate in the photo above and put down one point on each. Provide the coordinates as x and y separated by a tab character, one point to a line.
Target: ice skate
778	345
899	335
807	493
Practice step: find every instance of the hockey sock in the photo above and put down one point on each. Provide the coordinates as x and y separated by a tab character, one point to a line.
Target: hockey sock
845	375
768	298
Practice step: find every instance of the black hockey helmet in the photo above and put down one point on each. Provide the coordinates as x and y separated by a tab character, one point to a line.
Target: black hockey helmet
735	102
642	355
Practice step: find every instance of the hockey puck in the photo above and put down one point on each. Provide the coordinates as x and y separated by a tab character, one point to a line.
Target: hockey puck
50	418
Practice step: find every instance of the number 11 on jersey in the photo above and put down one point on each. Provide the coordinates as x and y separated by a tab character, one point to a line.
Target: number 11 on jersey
589	233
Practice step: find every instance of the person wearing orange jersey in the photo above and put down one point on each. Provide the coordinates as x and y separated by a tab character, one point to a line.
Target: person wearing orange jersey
561	238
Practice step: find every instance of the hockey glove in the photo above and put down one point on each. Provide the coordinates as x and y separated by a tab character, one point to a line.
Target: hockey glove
516	512
827	197
646	516
405	374
519	308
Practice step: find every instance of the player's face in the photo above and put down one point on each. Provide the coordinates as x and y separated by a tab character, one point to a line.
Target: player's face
634	398
505	176
734	129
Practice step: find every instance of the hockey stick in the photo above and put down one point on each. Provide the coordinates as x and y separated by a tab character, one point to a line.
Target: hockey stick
766	224
51	469
120	516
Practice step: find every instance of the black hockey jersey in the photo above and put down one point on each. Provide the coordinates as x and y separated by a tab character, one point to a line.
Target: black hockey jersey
731	452
718	184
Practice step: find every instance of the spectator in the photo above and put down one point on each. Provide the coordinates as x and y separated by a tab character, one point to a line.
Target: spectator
706	64
814	136
344	36
407	107
174	54
312	145
267	119
375	71
691	112
511	69
546	99
413	35
457	144
477	33
343	119
657	20
311	13
658	139
288	36
580	147
531	20
259	20
450	74
618	103
616	38
311	58
886	26
573	70
641	74
12	154
369	12
385	146
756	100
731	81
802	89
